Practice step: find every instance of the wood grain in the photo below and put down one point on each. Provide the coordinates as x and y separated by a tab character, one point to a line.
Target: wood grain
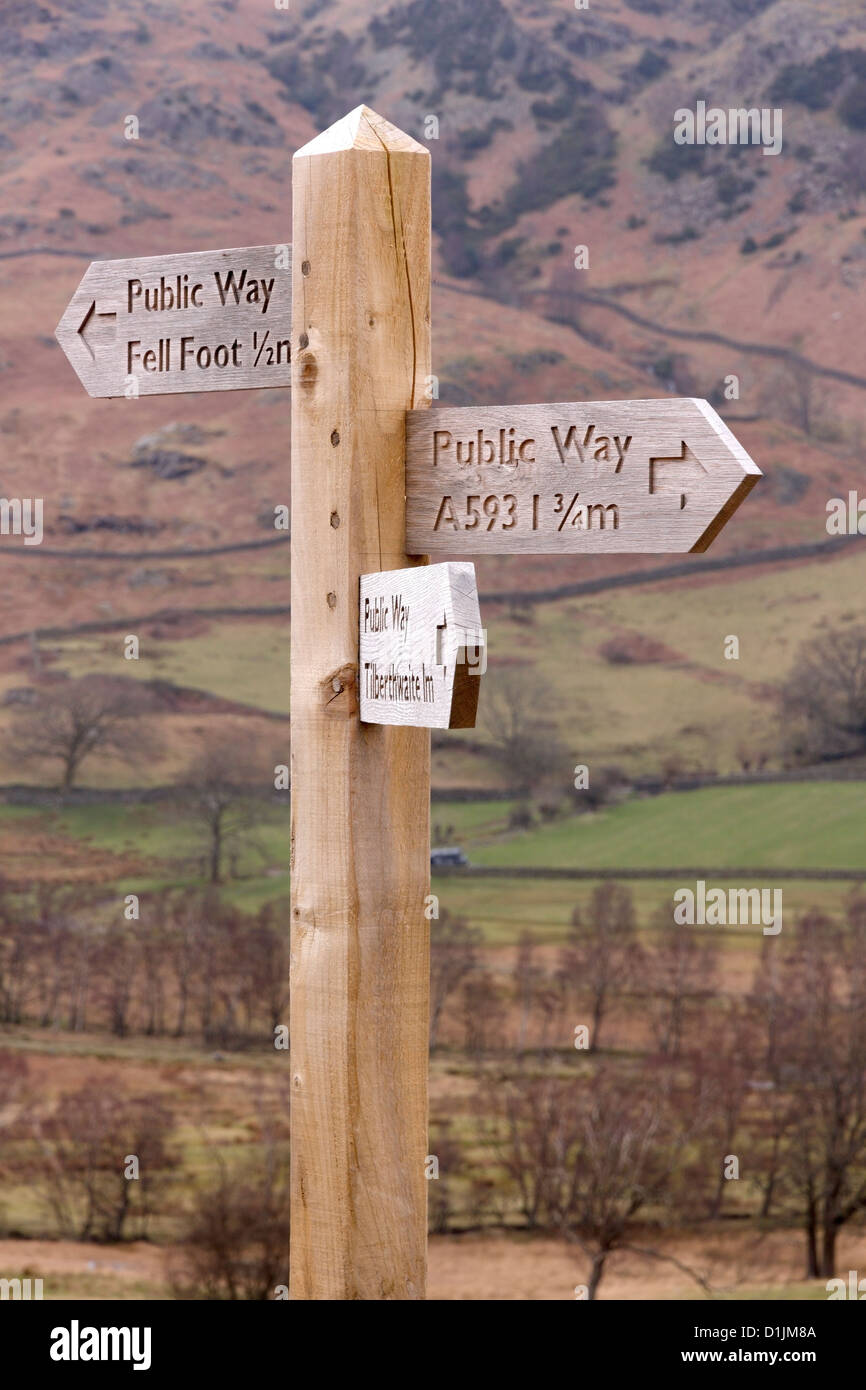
586	477
360	793
421	647
197	321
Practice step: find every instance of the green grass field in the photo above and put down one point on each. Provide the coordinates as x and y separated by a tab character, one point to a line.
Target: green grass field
245	661
802	825
504	908
165	848
797	825
694	707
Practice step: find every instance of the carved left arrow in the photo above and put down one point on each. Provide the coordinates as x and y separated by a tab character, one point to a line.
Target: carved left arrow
92	327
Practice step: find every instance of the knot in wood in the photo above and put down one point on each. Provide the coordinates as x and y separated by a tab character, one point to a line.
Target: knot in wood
339	691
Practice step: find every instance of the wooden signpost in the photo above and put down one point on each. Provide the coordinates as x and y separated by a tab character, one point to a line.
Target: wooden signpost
383	646
593	476
360	792
421	647
207	321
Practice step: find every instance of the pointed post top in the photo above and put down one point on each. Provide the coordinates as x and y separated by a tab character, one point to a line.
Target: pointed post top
362	129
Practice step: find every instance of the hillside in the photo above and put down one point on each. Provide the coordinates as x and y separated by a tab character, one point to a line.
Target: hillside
554	131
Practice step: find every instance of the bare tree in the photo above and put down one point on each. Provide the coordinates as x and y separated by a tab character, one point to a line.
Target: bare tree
603	955
453	955
20	968
88	1141
116	964
678	977
589	1156
517	714
71	722
194	957
724	1067
483	1013
236	1242
153	949
792	394
80	980
766	1005
443	1189
801	395
56	942
40	941
230	946
265	966
14	1073
223	790
824	697
529	982
629	1142
825	1064
183	916
534	1135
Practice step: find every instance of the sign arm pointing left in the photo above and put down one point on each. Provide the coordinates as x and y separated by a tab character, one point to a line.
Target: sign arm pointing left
206	321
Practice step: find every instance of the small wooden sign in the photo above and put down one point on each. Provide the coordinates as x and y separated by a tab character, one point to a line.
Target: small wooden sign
631	476
206	321
422	647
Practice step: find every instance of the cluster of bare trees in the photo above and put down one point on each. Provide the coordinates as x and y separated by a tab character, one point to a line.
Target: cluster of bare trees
236	1235
625	1087
102	1158
191	964
668	983
666	986
106	1165
220	795
590	1160
712	1103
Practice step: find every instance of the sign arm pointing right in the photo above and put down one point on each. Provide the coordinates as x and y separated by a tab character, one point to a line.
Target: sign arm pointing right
589	477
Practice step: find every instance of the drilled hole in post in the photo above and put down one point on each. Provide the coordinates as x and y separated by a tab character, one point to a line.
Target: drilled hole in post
335	519
303	341
305	267
332	600
335	438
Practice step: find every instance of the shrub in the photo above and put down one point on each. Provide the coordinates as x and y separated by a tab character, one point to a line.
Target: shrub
672	161
236	1243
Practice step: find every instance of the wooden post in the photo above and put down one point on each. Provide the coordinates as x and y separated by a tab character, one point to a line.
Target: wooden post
360	793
